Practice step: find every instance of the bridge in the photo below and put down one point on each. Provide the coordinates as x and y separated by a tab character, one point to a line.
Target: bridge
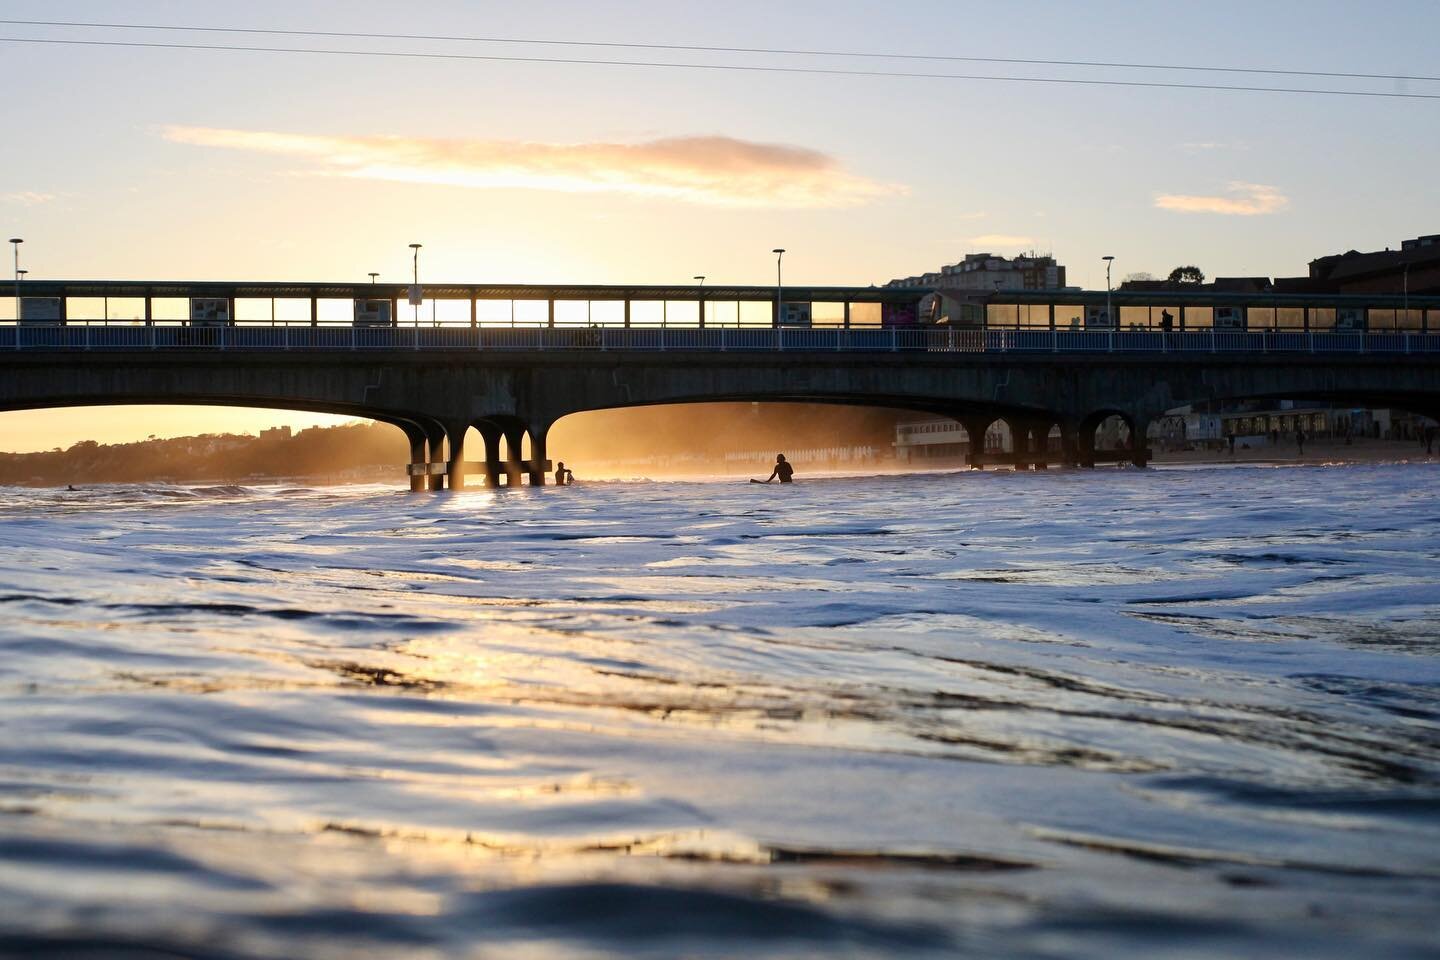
513	381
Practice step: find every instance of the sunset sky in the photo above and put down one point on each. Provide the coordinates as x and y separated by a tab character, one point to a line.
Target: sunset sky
131	162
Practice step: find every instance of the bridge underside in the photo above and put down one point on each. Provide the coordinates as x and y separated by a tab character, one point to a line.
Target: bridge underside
517	397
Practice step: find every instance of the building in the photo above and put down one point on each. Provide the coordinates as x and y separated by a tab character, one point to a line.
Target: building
986	271
1413	269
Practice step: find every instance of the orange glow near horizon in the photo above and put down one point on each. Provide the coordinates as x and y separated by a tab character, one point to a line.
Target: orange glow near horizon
28	431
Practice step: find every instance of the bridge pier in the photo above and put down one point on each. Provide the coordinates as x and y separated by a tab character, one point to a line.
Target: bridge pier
975	428
514	433
418	457
435	434
537	462
455	468
490	433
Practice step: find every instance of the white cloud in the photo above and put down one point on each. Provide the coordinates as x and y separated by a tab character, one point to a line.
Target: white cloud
1245	200
27	198
713	170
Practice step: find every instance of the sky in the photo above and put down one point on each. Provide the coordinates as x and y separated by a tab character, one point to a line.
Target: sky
146	163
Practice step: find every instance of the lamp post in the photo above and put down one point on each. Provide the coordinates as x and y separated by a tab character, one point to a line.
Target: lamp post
16	241
373	275
415	287
1109	310
779	297
700	278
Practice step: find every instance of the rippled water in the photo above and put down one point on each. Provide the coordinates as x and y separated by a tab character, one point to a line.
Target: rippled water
1094	714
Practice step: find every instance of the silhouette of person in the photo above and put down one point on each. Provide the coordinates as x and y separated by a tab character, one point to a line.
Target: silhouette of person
1167	322
783	470
563	477
1300	440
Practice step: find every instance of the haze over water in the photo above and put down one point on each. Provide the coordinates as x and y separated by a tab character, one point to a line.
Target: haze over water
1078	714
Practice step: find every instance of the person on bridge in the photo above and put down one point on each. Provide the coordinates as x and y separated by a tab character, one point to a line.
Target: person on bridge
563	477
782	470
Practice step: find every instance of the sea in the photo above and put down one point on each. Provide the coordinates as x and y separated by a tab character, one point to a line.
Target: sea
1115	713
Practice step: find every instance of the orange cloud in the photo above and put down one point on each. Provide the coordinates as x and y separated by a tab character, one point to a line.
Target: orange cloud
714	170
1246	200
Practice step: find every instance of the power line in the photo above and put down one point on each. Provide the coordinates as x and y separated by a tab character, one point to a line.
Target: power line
695	48
746	68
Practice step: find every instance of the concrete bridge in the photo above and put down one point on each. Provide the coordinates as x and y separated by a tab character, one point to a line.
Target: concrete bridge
435	384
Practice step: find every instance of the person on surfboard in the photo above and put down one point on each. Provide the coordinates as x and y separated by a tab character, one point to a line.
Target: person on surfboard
783	470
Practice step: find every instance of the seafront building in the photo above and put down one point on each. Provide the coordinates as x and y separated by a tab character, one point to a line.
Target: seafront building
986	271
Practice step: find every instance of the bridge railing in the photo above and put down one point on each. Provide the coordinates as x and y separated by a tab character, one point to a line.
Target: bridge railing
47	337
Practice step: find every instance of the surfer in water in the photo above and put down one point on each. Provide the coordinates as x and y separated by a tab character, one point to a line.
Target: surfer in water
782	470
563	477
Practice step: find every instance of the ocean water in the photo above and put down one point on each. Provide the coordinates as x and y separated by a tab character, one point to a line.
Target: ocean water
1098	714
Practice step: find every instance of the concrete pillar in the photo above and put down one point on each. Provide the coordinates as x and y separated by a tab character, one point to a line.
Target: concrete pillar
1070	443
1139	443
436	438
1085	442
490	433
537	455
975	428
456	471
418	455
514	434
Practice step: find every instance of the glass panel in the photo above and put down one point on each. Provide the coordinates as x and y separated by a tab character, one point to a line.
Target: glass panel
682	313
82	309
572	313
607	313
292	310
532	313
1290	318
1069	316
756	313
1260	318
1158	315
646	313
865	314
1432	321
255	310
1002	316
1134	318
1199	318
827	314
1381	320
125	309
1409	319
1035	316
335	311
493	313
1322	318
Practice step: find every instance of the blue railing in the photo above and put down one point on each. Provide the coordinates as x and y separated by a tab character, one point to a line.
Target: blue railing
75	337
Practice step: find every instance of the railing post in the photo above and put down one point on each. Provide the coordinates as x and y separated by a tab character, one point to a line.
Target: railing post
152	336
417	336
1407	342
1054	340
722	339
1310	339
221	328
1212	339
354	343
1111	338
893	347
87	337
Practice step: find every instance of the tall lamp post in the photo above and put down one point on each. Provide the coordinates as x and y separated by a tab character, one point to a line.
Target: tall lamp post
415	287
1109	310
700	278
16	241
373	276
779	297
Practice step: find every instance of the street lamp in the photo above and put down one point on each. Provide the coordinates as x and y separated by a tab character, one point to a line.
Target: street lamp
16	241
1109	310
373	275
415	287
779	297
701	294
19	275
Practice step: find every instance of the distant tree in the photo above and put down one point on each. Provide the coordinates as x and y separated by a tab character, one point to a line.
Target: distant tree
1190	274
1141	276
